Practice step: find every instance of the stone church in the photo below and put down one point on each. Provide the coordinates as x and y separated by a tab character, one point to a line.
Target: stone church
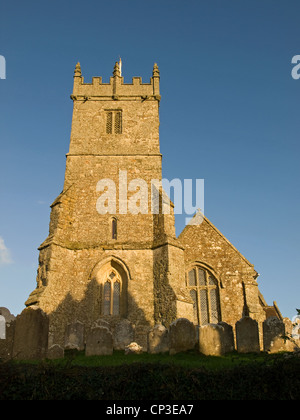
125	265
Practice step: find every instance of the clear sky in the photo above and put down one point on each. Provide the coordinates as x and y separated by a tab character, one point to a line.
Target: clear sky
229	115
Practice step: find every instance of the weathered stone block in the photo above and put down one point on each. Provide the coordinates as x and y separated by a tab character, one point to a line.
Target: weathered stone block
247	335
31	334
99	342
181	336
158	340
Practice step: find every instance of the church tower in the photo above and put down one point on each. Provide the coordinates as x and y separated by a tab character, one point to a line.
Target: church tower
111	254
112	257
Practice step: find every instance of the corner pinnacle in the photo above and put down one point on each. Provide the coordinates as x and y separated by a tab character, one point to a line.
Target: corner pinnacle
116	71
155	72
77	71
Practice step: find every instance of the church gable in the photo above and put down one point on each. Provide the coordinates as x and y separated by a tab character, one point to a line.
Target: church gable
206	249
203	241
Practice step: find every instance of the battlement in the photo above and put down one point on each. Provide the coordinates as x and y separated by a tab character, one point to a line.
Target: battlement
116	89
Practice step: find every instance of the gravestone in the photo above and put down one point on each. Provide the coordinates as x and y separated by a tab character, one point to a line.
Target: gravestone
55	352
228	337
290	330
7	315
274	332
99	342
2	328
74	336
182	336
158	340
123	334
31	334
211	340
247	335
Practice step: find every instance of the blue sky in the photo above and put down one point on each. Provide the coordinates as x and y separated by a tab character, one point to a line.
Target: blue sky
229	115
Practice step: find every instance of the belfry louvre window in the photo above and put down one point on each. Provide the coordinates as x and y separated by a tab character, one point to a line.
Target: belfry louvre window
118	122
114	228
109	116
114	121
204	292
112	288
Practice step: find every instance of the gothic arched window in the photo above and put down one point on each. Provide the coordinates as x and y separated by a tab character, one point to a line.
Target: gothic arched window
112	288
204	292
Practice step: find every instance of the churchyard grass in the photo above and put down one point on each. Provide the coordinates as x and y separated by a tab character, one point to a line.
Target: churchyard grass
184	376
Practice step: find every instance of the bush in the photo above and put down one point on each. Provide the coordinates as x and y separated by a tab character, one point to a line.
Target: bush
276	378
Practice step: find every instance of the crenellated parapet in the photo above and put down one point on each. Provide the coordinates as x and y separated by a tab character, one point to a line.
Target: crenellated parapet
116	89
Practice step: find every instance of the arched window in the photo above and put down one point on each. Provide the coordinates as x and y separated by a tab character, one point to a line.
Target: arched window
204	291
112	294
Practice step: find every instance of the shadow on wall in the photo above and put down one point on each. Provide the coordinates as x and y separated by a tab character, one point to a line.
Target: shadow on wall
90	309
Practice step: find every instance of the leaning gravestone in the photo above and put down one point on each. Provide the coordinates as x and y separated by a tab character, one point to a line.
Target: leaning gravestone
99	342
74	336
182	336
247	335
158	340
211	340
2	328
31	334
123	334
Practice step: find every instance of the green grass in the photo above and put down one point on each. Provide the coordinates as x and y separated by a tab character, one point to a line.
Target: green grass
189	360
